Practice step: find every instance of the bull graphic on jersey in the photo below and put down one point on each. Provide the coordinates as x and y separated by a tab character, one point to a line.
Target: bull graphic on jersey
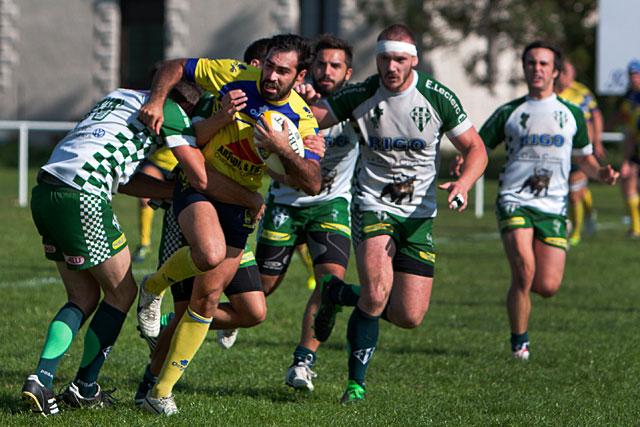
328	176
399	189
538	182
420	116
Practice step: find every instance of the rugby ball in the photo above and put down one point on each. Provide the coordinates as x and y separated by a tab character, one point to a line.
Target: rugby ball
272	161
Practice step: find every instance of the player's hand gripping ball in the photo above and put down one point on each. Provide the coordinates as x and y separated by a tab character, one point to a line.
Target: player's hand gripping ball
457	201
277	120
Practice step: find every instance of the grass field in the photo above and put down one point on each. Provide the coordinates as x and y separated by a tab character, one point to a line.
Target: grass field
453	370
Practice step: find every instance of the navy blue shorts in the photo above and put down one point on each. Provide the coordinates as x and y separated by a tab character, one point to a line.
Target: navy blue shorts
235	220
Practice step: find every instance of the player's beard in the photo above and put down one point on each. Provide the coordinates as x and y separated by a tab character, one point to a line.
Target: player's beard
281	92
399	82
325	91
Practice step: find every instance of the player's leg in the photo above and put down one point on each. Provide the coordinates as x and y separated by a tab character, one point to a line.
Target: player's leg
518	246
191	331
549	248
629	186
374	258
83	294
116	281
145	215
577	186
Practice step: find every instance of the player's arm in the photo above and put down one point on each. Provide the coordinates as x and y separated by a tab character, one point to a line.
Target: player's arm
589	165
598	126
305	174
314	143
232	102
167	76
323	115
208	181
474	156
143	185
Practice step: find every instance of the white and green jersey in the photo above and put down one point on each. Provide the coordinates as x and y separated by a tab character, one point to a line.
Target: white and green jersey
400	150
540	137
109	143
337	165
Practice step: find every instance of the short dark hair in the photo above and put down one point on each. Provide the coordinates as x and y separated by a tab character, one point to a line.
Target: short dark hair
397	31
292	42
328	41
186	95
257	50
541	44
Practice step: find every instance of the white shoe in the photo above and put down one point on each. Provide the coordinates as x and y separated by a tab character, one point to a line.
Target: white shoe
521	352
227	337
161	406
299	377
149	311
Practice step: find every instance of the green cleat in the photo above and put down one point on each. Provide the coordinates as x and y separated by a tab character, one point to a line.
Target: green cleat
325	318
355	393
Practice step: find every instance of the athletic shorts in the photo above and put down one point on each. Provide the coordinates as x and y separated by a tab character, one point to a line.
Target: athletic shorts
284	225
246	279
413	238
550	229
76	227
235	221
165	172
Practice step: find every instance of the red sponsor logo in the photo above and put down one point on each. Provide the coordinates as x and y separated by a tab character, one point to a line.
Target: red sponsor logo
243	150
74	259
50	249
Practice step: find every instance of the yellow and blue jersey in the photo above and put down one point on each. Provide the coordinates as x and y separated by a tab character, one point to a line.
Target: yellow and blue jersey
164	159
580	95
232	150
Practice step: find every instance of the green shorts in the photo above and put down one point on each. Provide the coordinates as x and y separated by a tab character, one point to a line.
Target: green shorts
76	227
413	236
284	225
550	229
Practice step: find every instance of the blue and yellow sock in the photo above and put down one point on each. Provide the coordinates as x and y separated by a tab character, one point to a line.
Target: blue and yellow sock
187	339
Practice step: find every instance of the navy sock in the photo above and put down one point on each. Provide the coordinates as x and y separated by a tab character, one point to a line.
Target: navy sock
303	354
101	335
518	339
346	295
62	329
362	337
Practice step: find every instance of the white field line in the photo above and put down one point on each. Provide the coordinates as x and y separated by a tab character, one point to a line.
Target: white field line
35	282
42	281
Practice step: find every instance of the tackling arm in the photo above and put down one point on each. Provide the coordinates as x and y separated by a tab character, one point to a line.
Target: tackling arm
169	74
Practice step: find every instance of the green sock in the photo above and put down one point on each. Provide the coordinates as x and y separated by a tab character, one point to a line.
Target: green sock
346	295
101	335
362	337
303	354
62	330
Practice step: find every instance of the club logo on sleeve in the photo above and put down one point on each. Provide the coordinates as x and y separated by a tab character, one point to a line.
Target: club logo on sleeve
420	116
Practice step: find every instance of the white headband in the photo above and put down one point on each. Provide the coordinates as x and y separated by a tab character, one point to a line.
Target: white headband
384	46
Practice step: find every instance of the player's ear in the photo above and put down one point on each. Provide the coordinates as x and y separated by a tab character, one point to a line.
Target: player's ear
414	61
347	75
300	78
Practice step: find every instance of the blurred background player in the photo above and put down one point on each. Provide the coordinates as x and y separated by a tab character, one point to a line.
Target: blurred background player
322	222
629	114
159	166
543	134
580	200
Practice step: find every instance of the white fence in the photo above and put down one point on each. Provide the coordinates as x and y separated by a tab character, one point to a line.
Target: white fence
25	126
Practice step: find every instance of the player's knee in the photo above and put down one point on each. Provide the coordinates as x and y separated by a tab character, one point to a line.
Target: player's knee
256	315
408	322
546	290
209	258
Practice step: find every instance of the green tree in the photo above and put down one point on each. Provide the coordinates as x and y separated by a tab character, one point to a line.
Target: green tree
506	26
